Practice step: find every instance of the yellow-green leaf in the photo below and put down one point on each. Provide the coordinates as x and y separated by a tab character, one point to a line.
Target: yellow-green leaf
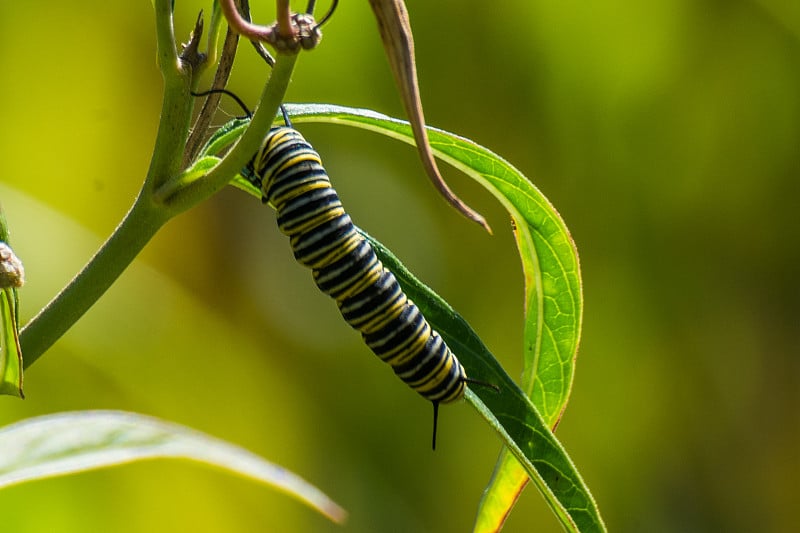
554	305
67	443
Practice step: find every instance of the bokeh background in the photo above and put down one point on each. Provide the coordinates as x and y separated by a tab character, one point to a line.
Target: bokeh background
667	133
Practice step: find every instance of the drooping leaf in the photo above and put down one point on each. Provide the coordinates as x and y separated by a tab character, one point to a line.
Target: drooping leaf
66	443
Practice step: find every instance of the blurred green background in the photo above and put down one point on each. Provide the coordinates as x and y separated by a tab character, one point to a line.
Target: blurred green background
667	134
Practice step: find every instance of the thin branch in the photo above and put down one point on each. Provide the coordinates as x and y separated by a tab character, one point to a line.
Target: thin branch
180	196
285	27
165	37
136	230
176	105
191	56
144	218
210	104
260	48
244	28
291	33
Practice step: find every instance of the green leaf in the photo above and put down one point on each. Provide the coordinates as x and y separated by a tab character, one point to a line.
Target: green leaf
10	352
554	306
224	136
510	412
509	477
12	276
66	443
554	301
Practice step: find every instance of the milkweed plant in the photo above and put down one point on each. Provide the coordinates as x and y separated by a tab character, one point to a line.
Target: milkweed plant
189	166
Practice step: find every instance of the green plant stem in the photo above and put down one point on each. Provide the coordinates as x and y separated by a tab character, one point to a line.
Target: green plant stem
165	36
138	227
176	107
179	195
154	206
164	193
143	219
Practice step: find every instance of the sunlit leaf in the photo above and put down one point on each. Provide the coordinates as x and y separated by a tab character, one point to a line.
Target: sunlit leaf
552	283
10	352
67	443
554	305
509	412
554	301
509	477
12	276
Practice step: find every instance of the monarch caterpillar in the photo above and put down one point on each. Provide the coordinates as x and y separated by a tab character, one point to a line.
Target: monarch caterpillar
344	265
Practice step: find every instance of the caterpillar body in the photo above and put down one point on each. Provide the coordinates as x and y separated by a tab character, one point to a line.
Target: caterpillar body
345	267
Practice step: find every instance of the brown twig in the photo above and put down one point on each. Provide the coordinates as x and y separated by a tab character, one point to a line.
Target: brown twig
243	27
291	33
395	30
260	49
286	30
199	131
